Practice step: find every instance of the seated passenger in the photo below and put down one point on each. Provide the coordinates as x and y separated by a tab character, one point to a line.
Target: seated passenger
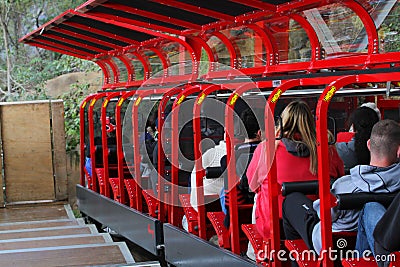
301	215
355	152
210	158
295	156
385	238
243	154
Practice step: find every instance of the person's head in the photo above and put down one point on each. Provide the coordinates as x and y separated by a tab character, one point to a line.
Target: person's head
384	143
298	124
250	118
362	121
373	106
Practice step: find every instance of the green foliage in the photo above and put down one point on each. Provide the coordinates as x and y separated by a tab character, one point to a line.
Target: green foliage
72	101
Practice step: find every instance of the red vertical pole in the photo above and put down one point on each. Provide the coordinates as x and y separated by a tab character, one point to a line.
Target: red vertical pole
273	186
83	125
323	165
107	191
175	152
161	156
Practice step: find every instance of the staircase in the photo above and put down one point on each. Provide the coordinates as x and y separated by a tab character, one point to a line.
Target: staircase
50	235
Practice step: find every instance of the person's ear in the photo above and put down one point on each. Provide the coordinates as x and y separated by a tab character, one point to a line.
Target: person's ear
259	134
369	144
398	152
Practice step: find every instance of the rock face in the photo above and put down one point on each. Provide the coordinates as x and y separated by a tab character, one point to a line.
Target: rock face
61	84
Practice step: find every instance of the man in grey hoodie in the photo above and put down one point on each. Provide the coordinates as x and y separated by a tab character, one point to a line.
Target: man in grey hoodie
382	175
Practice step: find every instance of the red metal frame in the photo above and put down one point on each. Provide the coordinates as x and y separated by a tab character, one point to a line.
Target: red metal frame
103	67
93	101
161	156
143	30
135	138
196	10
153	15
174	201
369	24
82	123
193	40
231	165
106	101
120	153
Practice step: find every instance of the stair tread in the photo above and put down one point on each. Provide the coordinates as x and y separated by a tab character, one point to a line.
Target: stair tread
75	255
51	231
54	241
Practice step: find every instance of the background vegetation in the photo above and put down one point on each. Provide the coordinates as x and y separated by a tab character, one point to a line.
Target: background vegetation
25	69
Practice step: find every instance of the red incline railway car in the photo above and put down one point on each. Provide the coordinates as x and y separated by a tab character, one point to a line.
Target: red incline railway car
177	75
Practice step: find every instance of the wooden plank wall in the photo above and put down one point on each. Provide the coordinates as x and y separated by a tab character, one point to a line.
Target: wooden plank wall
59	155
32	172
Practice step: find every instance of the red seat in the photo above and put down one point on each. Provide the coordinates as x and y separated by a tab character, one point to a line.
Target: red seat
151	201
298	247
114	182
190	213
101	179
130	188
217	220
261	247
370	262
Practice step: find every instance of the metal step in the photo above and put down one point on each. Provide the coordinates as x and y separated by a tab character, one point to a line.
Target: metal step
54	241
40	224
50	231
77	255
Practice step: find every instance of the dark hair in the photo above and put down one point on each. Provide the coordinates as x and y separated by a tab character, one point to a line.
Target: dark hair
385	139
250	118
363	119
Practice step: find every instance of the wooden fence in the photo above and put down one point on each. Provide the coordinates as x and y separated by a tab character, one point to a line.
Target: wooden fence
33	152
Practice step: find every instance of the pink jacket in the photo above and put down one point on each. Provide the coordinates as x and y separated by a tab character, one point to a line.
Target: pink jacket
290	168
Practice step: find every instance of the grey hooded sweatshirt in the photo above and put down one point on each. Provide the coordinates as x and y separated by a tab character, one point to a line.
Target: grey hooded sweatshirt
362	178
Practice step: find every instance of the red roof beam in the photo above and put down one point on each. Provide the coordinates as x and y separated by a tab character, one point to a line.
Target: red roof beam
88	38
196	9
152	15
297	6
254	17
38	31
55	49
64	47
256	4
90	4
136	22
100	32
75	43
140	29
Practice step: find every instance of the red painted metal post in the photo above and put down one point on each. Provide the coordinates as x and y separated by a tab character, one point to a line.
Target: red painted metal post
323	165
91	138
273	186
82	135
107	191
161	155
174	203
200	172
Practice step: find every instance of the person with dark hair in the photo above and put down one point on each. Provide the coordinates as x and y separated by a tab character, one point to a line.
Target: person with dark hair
355	152
251	119
374	215
301	215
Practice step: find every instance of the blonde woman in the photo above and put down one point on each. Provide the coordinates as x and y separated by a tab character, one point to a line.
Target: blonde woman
296	159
